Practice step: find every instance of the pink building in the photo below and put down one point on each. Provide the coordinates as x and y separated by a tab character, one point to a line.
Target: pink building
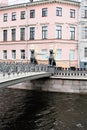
3	2
41	25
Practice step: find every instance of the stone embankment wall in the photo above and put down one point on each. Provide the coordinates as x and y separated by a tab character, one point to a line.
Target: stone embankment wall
58	85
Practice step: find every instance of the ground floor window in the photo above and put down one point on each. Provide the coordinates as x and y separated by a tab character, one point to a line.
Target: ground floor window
85	65
85	52
13	54
22	54
44	54
58	54
4	54
71	54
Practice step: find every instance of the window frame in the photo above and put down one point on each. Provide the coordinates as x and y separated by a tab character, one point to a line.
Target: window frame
85	12
4	54
32	13
5	17
13	34
72	13
58	31
45	32
13	16
72	33
5	35
22	34
58	11
58	54
22	54
32	33
85	52
85	32
44	12
72	55
44	54
13	54
22	15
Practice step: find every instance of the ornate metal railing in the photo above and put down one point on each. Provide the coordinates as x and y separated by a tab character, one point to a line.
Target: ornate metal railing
17	68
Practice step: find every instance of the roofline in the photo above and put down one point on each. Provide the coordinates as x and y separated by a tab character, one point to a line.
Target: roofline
40	3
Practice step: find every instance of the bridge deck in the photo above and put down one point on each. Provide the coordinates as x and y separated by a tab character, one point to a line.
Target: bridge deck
8	80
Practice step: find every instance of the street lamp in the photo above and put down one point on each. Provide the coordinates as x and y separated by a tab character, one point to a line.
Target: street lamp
51	57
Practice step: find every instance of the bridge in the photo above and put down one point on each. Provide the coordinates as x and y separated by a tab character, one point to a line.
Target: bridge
14	73
18	78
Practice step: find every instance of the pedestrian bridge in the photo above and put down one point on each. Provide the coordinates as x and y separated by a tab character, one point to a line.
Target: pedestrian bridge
13	79
14	73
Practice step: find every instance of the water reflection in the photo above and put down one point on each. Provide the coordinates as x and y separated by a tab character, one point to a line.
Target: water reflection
31	110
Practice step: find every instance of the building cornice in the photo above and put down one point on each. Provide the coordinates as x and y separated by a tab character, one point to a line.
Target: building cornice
40	3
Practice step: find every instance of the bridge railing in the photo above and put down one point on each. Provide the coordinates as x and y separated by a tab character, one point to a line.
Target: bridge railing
68	72
18	68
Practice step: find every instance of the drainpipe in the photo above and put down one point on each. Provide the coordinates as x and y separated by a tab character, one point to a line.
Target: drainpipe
79	34
26	35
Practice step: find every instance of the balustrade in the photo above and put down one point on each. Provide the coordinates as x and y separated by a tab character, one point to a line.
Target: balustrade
18	68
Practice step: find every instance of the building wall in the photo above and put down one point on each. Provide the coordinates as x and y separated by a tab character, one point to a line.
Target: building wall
3	2
65	44
83	38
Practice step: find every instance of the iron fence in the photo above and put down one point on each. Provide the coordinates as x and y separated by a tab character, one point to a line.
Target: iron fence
12	68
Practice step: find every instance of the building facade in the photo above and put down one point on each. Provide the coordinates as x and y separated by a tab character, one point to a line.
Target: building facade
3	2
83	35
41	25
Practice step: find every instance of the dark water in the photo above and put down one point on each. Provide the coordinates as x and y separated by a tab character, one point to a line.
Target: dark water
31	110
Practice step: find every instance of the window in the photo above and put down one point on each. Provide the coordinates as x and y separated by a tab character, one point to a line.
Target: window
13	34
4	35
85	65
85	52
58	54
22	15
22	54
44	32
32	33
44	54
72	55
4	54
72	33
72	13
85	15
13	16
58	11
13	54
58	32
22	34
5	17
85	32
32	13
44	12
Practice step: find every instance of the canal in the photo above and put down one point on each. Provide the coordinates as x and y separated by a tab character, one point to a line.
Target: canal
35	110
